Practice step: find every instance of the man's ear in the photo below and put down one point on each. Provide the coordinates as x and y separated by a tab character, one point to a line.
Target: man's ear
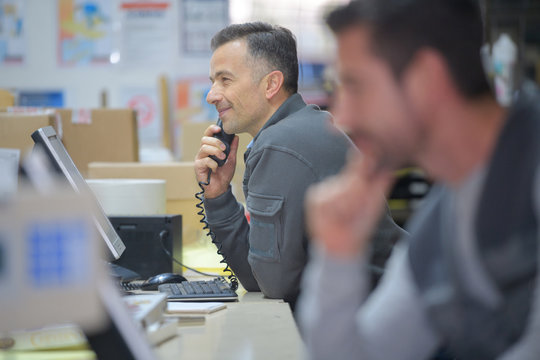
428	79
274	82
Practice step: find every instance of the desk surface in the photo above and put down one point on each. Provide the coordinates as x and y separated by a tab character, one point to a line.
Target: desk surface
253	328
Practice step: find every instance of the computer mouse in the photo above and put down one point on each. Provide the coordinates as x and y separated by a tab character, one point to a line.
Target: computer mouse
165	278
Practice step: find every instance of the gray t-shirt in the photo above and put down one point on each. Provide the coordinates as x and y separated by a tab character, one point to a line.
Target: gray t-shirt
339	321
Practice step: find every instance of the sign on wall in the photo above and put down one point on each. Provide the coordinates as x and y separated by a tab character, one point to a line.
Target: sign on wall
12	32
146	37
84	32
201	19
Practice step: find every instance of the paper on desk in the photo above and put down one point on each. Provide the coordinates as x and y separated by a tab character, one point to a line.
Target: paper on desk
194	307
64	336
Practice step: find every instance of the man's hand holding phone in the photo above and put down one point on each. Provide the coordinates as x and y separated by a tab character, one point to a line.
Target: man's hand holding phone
211	145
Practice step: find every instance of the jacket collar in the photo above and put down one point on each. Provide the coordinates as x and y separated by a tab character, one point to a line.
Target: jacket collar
289	106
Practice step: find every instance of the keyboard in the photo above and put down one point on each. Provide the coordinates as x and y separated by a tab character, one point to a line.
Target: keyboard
210	290
128	286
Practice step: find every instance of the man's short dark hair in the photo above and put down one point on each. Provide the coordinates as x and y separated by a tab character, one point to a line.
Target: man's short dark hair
274	44
402	27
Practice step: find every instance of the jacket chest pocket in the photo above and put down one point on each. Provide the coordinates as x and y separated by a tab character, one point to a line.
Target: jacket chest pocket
266	229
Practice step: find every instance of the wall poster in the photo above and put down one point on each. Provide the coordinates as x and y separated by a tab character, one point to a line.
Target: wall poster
85	32
12	32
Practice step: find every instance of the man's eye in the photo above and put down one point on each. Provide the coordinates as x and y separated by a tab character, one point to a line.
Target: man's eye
351	86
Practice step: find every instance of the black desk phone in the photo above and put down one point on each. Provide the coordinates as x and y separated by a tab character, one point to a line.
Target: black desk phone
225	139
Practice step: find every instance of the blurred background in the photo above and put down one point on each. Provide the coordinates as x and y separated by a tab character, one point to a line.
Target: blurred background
152	56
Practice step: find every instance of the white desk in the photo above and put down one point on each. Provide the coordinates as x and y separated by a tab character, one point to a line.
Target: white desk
253	328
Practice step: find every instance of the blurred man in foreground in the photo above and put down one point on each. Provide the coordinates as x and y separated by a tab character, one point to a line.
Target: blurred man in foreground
413	91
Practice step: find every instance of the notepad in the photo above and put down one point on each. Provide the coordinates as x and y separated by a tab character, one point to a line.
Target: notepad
199	308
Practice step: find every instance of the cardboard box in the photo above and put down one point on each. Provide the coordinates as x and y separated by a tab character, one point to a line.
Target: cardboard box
180	188
16	129
190	141
179	176
106	135
6	98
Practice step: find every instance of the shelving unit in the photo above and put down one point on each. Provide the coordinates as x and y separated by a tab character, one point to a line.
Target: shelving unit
521	20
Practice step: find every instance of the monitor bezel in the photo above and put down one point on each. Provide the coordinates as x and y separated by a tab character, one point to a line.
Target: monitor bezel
63	164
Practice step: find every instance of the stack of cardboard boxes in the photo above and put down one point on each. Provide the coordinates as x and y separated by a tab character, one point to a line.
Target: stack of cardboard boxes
104	135
100	135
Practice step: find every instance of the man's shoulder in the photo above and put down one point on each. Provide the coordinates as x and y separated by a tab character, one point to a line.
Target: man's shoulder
306	126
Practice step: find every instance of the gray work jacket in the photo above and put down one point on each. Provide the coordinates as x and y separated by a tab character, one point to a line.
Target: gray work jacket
297	147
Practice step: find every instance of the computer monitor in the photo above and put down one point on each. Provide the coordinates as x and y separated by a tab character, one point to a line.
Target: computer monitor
62	162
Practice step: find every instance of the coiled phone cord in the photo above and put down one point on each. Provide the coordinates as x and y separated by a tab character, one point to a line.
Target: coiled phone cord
232	278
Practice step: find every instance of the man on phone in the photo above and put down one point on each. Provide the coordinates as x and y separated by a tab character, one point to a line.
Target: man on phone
254	74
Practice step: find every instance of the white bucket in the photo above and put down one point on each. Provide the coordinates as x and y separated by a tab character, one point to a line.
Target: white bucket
131	197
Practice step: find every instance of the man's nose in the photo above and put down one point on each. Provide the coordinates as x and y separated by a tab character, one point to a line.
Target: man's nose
213	96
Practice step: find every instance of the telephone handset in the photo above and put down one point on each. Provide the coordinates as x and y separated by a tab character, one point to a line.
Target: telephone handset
225	139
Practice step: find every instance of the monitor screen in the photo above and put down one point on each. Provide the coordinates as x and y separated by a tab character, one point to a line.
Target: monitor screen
61	160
